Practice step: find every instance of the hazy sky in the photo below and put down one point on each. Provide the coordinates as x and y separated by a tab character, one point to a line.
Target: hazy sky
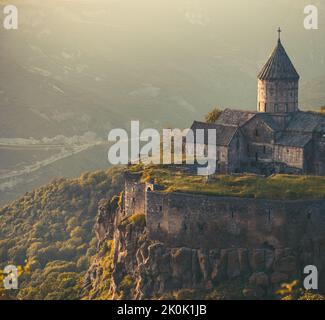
93	65
173	26
195	53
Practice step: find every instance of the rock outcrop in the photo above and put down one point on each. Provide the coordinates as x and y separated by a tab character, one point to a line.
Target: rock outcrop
130	265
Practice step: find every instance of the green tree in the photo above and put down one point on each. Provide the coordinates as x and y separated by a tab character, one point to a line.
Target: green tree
213	115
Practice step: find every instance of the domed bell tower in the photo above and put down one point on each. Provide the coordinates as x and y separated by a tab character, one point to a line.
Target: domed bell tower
278	83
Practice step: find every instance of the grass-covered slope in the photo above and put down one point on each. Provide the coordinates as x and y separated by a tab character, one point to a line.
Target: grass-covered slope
246	186
49	233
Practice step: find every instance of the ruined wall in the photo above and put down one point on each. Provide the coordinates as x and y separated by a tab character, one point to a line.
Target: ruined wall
193	241
197	240
134	196
199	221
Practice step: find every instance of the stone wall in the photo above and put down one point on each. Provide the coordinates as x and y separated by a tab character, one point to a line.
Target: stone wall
134	195
267	240
319	161
199	221
237	153
193	241
260	141
292	156
277	96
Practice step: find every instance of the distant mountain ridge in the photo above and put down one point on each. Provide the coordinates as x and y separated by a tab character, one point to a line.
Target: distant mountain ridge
61	73
91	66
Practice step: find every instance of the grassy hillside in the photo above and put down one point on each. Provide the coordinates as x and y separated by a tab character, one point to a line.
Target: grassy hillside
49	234
247	186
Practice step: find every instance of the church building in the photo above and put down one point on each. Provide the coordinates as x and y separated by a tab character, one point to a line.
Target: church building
278	137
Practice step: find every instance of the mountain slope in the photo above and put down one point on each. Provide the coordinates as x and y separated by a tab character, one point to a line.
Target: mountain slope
49	233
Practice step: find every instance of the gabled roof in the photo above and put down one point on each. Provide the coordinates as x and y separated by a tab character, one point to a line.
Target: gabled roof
268	120
294	139
278	66
224	133
235	117
306	122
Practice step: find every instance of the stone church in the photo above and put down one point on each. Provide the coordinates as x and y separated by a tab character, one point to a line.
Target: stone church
278	137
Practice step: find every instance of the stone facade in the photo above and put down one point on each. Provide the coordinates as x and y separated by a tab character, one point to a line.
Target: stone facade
204	221
199	221
196	241
278	138
277	96
278	83
134	195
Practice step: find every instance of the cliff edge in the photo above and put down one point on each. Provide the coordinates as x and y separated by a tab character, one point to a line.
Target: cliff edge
207	247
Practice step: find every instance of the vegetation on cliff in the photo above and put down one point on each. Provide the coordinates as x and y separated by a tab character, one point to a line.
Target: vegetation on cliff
112	281
246	186
49	231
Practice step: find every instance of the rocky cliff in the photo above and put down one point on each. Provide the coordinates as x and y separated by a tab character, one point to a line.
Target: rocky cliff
131	265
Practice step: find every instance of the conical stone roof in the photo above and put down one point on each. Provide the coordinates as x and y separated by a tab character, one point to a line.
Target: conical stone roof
279	66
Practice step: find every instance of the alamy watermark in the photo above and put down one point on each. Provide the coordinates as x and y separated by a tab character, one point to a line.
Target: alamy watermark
11	274
10	279
10	20
311	19
176	146
311	280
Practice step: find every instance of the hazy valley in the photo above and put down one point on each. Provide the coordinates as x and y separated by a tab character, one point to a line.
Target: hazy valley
90	66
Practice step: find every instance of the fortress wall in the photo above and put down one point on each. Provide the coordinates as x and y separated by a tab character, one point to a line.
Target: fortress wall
199	221
134	198
234	237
